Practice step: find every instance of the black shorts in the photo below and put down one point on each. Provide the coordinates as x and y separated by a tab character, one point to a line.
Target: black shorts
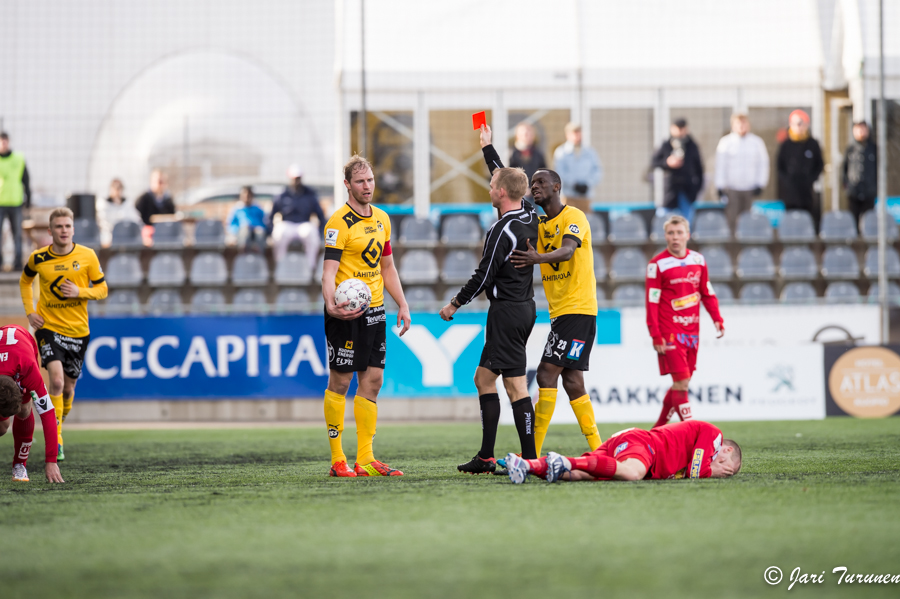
570	341
505	336
68	350
354	345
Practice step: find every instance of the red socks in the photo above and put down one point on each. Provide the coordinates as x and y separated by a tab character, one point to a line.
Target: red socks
598	466
681	405
538	467
667	409
23	432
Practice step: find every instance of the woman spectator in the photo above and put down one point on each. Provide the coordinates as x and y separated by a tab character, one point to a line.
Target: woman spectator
114	209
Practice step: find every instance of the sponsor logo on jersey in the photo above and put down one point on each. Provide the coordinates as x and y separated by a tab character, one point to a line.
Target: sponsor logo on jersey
375	319
688	301
369	230
620	448
693	278
696	463
380	226
575	349
574	228
686	320
331	236
688	340
559	277
651	270
351	219
696	258
709	288
654	295
557	229
60	267
548	234
75	265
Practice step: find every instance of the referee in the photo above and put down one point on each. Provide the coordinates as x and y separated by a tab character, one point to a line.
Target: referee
510	317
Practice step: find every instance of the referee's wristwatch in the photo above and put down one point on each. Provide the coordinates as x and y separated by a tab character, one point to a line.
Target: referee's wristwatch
454	302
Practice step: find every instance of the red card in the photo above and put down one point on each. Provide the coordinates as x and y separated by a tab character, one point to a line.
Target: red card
478	119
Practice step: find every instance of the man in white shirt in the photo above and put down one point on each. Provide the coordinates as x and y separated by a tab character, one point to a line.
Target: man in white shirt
742	168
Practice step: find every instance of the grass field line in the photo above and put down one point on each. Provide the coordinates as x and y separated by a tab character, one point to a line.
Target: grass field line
207	425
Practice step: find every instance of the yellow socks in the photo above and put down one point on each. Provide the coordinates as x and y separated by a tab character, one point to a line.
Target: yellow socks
67	406
543	412
584	412
334	420
57	401
366	414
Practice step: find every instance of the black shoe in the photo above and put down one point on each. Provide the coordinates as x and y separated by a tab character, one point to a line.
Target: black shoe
503	472
478	465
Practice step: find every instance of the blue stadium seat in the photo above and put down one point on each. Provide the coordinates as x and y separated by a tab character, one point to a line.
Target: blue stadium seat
209	235
893	292
718	263
250	301
756	293
293	269
724	293
122	301
417	233
710	226
627	229
628	265
209	270
598	228
461	230
798	264
208	301
839	262
628	295
842	292
126	236
869	226
420	298
754	228
798	292
459	266
168	236
418	266
796	226
87	233
838	227
892	263
123	270
755	264
165	302
292	301
600	270
166	270
250	270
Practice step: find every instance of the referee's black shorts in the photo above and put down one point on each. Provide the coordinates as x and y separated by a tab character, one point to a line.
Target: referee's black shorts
508	326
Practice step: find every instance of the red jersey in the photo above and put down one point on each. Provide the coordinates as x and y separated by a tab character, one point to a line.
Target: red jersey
678	450
19	360
675	289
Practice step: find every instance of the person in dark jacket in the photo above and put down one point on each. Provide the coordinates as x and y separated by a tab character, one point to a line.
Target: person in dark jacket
297	204
860	171
157	199
679	157
526	155
799	166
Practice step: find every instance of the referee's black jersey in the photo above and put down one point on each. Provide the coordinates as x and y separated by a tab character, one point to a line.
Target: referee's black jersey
496	275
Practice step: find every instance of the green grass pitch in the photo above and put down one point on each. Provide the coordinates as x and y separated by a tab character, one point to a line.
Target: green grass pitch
250	513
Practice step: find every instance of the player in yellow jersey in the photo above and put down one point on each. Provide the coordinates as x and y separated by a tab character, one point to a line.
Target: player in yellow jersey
567	271
358	245
66	272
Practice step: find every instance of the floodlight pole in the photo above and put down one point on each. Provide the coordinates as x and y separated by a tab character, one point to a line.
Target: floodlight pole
882	185
363	119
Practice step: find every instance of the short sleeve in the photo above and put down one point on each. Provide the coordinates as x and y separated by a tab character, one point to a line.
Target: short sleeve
387	227
576	228
336	235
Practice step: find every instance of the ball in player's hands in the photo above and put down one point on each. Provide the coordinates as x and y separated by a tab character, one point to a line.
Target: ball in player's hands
354	291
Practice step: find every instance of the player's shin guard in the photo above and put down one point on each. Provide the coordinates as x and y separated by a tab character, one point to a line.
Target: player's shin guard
538	467
58	407
523	413
543	412
681	404
490	418
334	420
366	414
598	466
23	433
666	411
584	412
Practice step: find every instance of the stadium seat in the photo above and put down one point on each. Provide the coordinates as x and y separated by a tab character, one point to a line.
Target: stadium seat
628	265
598	228
796	226
165	302
209	235
600	270
537	278
250	301
842	292
710	226
126	235
718	263
798	292
628	229
123	270
461	230
168	236
250	270
628	295
756	293
209	270
420	298
208	301
893	292
869	226
417	233
657	232
753	228
838	227
540	296
166	270
798	264
292	301
293	269
755	264
601	294
87	233
418	266
891	259
122	301
459	265
839	262
724	293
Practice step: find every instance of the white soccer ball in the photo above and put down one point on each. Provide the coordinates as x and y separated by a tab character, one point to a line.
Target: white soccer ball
354	291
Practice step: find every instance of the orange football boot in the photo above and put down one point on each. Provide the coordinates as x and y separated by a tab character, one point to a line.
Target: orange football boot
341	470
376	468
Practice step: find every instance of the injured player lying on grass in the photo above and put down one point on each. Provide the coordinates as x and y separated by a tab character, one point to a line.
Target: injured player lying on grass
689	449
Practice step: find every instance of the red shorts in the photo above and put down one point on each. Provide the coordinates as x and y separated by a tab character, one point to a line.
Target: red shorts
678	358
627	444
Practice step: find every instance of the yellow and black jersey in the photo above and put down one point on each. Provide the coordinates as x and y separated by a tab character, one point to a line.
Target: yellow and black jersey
570	286
67	316
358	242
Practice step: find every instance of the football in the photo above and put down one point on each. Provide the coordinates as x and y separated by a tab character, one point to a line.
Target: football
354	291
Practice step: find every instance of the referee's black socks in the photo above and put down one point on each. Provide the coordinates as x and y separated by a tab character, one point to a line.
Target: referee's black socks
523	412
490	418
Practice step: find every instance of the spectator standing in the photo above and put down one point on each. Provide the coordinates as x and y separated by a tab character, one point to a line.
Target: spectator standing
799	166
296	204
579	168
157	199
860	171
742	168
15	193
679	156
247	222
114	209
525	154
